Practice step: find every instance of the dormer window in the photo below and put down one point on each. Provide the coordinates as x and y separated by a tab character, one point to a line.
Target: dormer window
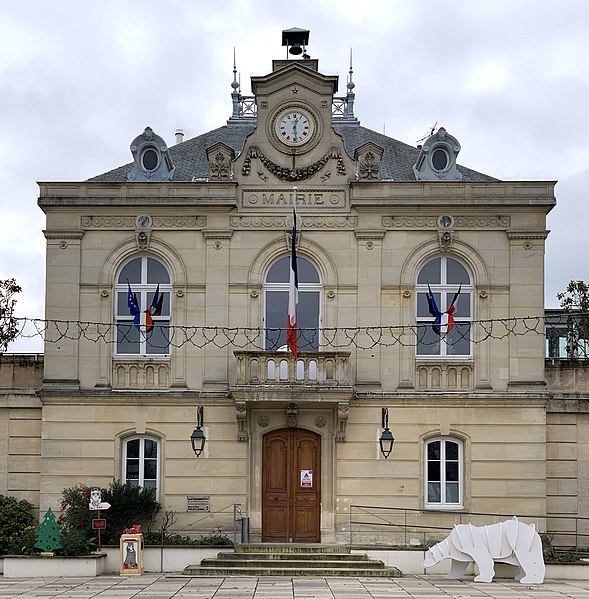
150	159
440	159
437	158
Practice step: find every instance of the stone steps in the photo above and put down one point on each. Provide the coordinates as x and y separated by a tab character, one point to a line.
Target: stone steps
291	560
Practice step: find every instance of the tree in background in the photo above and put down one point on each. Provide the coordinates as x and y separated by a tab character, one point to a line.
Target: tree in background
8	323
575	304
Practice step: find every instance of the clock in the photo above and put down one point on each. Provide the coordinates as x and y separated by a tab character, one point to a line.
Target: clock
295	127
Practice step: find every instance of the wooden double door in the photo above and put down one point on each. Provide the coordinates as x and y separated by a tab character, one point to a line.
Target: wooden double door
291	486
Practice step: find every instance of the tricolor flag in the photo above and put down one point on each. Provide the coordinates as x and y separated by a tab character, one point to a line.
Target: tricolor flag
154	310
443	321
143	320
293	286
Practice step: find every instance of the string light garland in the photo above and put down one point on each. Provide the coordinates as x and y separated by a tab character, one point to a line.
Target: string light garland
253	339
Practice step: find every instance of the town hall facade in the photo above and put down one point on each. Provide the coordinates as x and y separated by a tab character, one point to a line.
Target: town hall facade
415	279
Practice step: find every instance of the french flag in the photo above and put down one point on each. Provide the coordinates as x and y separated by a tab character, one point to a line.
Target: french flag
293	286
443	321
143	320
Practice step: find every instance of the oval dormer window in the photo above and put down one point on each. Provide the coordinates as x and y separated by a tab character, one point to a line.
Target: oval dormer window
440	159
149	159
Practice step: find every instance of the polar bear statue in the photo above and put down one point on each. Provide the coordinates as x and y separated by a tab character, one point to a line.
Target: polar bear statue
510	542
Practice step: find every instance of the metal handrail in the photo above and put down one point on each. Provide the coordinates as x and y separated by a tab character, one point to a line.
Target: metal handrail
382	520
237	515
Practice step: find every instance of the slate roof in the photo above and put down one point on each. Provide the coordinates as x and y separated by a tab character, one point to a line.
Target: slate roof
190	156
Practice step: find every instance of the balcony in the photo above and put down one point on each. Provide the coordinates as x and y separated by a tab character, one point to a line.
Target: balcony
141	374
281	368
278	378
446	376
314	374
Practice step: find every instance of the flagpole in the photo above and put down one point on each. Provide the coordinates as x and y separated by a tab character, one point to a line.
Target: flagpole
293	287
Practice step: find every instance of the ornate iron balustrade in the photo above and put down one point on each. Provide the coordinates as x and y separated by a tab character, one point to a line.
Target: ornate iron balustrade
342	108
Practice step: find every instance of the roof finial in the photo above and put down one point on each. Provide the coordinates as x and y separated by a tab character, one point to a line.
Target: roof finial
351	84
235	84
349	107
235	95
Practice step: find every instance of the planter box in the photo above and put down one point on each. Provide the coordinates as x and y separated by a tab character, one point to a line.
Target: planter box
409	562
176	558
24	566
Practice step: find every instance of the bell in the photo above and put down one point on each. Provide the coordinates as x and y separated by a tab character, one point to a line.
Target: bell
295	39
295	49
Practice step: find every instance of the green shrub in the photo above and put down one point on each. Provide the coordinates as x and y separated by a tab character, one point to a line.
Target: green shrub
129	505
15	517
75	541
553	555
156	538
215	538
22	542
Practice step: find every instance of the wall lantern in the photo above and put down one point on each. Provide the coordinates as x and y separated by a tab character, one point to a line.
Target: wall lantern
386	439
198	438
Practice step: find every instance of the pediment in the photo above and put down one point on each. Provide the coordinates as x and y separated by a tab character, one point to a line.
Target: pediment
294	73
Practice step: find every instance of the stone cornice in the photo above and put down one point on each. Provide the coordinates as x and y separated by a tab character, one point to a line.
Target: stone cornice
527	234
63	234
457	399
495	193
369	234
90	193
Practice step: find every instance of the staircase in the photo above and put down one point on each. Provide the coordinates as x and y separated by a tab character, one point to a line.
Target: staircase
291	560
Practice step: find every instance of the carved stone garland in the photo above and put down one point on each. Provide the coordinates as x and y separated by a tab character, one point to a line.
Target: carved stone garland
293	174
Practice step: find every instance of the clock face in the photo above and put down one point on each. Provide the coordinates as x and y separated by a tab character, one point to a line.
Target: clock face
295	127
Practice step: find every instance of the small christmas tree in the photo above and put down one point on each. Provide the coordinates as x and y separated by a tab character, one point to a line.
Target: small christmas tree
49	535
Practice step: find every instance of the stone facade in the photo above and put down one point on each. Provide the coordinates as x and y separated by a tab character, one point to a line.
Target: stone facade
368	226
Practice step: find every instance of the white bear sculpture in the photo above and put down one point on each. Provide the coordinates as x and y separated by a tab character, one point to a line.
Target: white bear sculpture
510	542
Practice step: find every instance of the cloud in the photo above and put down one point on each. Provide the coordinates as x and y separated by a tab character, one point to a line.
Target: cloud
79	81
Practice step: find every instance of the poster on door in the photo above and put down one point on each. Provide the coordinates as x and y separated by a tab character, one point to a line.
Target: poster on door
306	478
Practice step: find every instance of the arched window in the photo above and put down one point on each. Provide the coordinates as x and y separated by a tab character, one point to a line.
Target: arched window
142	308
141	463
443	473
276	305
444	309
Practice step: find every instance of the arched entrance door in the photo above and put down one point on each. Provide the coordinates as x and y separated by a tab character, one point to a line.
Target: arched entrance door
291	486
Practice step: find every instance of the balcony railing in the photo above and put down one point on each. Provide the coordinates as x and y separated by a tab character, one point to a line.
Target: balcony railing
444	377
245	108
281	368
141	374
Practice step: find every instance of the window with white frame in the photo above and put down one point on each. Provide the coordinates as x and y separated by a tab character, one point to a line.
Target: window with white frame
276	305
444	309
443	473
141	463
142	308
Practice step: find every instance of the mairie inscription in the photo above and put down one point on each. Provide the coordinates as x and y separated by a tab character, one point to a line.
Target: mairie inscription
320	199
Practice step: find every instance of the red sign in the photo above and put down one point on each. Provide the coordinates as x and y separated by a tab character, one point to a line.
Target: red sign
98	523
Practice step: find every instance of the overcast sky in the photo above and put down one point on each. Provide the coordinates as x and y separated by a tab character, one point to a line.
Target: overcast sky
79	80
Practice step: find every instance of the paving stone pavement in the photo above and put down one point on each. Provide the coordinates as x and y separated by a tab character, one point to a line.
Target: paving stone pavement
168	586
